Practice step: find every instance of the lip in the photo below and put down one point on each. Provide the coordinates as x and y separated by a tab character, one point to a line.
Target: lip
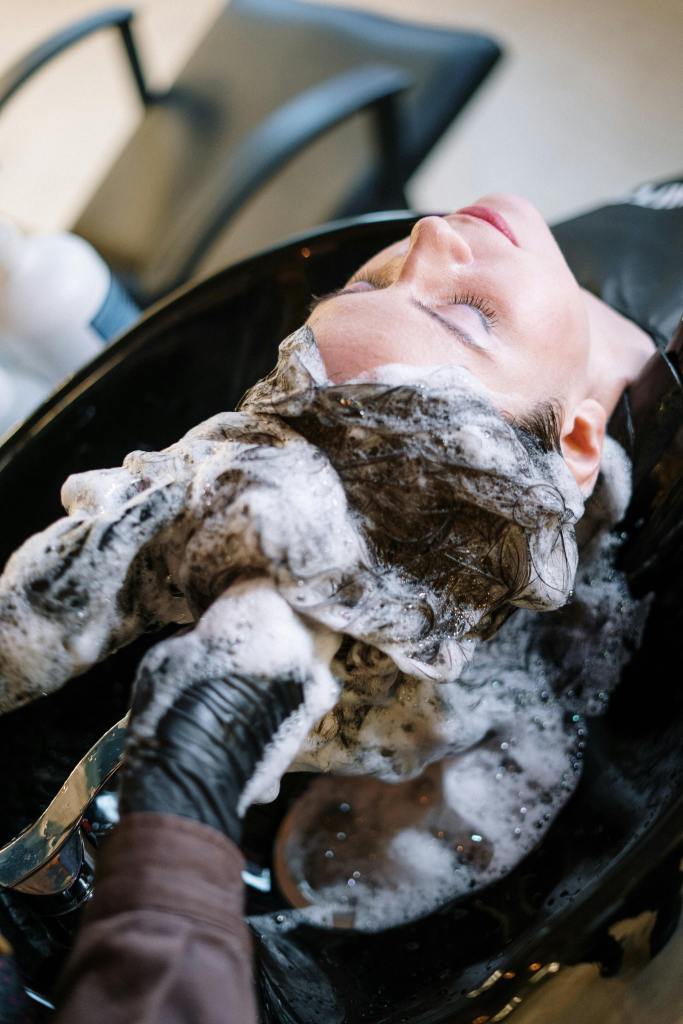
493	218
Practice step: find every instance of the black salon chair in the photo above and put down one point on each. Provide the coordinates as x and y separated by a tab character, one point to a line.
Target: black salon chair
615	849
268	80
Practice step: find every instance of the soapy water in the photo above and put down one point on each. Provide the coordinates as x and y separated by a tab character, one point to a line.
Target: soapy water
368	854
369	534
362	853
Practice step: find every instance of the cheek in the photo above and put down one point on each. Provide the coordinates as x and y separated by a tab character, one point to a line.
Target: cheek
352	342
356	341
554	334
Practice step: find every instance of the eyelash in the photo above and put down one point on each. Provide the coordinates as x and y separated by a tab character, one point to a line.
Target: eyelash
457	299
485	308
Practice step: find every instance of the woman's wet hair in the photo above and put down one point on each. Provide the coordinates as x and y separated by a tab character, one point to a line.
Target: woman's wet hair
543	424
475	511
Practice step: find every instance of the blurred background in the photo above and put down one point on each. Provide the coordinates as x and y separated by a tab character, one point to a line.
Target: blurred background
585	103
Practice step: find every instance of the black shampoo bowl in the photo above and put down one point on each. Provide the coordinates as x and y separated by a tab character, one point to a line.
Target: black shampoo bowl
614	850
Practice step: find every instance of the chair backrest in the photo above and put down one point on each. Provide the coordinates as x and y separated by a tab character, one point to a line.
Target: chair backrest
259	55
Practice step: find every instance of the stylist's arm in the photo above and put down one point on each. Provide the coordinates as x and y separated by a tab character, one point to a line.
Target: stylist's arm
163	939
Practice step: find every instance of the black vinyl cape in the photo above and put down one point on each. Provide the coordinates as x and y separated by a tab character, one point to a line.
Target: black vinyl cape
630	253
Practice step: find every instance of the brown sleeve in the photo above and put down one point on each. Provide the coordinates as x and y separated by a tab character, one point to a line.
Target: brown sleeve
164	939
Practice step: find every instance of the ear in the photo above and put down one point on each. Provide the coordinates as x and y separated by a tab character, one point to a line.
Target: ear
583	435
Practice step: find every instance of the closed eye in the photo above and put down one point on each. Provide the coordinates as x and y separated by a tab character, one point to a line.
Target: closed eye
487	313
378	279
464	336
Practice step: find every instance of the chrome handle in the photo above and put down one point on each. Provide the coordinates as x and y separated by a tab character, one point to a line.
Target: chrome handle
47	857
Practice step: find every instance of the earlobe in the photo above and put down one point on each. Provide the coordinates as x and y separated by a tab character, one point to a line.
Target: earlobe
583	436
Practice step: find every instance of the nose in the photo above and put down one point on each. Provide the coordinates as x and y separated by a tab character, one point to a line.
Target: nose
434	246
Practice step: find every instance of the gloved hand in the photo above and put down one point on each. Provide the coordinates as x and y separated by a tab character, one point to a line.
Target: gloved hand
207	704
206	748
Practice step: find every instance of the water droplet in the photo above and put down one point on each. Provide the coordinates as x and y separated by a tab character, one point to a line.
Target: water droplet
356	874
522	810
280	918
344	808
517	831
329	854
350	882
341	836
476	838
504	745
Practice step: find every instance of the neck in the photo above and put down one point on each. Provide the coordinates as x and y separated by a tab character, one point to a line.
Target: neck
619	351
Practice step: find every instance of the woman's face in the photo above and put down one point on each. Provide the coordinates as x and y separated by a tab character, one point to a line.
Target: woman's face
486	288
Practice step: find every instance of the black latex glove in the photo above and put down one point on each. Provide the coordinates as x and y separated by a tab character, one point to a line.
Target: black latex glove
206	745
